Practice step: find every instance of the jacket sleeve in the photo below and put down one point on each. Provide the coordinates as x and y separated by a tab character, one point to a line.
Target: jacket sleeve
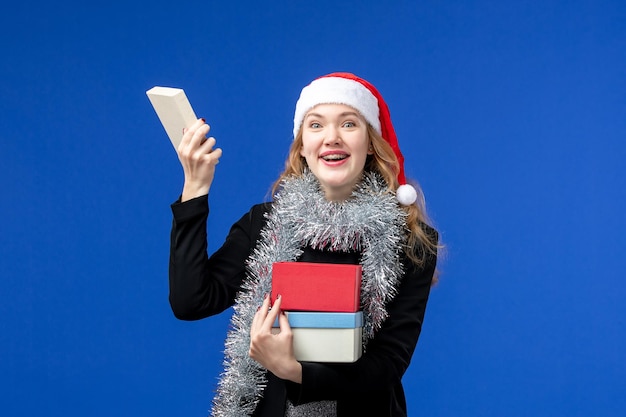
387	355
201	286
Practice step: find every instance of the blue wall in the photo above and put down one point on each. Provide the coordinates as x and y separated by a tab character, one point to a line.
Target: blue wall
511	115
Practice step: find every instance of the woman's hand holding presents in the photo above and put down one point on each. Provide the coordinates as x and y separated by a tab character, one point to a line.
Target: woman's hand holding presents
274	351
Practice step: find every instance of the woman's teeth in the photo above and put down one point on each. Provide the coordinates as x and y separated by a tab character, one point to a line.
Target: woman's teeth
335	157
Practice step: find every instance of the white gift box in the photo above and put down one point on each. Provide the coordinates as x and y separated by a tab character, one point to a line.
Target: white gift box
326	337
173	109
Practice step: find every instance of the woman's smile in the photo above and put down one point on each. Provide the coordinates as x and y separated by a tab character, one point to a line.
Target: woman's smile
334	158
335	145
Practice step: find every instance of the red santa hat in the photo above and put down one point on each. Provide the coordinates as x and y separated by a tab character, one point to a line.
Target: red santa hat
348	89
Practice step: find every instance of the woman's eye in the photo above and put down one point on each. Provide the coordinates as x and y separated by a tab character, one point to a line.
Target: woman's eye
349	124
315	125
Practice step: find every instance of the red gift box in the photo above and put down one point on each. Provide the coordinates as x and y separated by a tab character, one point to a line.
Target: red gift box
308	286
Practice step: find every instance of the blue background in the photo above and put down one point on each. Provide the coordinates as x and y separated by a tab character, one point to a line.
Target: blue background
511	115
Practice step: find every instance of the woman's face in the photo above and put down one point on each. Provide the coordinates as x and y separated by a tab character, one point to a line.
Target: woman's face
335	145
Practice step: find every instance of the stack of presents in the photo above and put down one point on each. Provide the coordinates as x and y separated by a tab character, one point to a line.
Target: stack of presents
322	303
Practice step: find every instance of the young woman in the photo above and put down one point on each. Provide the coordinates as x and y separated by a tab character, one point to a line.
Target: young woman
342	198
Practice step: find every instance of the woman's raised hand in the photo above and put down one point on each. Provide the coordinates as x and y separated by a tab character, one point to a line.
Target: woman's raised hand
198	158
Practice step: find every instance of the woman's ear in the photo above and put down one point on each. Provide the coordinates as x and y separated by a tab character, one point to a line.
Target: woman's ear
370	150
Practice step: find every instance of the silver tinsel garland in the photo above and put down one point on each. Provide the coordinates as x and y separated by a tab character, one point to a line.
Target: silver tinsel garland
370	222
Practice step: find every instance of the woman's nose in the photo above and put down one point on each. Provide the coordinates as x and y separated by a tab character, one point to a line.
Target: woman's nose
333	135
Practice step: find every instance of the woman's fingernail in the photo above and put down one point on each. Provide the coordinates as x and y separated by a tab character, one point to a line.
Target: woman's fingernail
184	130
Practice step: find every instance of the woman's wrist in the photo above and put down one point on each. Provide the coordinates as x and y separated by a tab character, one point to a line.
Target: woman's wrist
294	373
191	190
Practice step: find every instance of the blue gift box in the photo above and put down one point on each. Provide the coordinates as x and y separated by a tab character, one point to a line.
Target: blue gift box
315	320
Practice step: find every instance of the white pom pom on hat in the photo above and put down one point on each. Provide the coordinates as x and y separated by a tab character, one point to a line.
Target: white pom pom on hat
346	88
406	194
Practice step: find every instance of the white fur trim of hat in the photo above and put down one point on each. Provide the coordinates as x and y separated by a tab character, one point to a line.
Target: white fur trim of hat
335	90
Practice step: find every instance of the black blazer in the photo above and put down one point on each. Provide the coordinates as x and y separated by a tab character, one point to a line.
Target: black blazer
201	286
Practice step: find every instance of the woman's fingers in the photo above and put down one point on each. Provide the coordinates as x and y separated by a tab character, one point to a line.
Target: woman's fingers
269	321
265	316
190	133
198	137
195	145
259	317
206	148
283	322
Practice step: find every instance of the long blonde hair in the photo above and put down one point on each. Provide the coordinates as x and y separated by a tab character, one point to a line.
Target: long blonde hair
420	244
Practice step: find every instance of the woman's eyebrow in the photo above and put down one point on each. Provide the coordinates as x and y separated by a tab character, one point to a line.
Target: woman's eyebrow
344	114
349	113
